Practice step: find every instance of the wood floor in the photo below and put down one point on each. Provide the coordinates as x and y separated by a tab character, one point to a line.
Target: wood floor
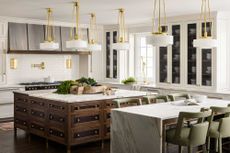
20	144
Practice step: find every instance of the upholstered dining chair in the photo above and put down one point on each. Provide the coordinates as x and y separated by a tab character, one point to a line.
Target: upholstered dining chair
192	136
178	96
124	102
155	99
220	128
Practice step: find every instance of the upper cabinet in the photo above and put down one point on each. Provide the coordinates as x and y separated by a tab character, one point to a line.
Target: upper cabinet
36	35
18	36
57	36
65	36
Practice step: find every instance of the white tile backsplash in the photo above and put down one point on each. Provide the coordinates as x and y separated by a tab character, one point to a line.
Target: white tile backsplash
55	66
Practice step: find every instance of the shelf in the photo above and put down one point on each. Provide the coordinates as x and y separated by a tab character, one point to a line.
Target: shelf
49	52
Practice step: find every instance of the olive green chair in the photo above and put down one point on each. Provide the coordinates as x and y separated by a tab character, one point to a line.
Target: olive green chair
192	136
220	128
125	102
155	99
179	96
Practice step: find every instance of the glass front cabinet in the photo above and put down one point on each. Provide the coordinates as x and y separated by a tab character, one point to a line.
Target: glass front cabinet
111	55
182	65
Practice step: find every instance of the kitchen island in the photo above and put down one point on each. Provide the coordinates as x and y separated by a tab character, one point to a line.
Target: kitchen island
141	129
66	119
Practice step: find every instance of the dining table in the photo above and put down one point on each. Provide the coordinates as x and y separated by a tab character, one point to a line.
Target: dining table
142	129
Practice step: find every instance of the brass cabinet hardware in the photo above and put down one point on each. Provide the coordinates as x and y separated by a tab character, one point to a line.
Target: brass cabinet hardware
40	66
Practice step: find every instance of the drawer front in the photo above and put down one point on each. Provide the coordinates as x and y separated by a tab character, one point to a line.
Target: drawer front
21	122
37	128
110	105
38	114
86	118
107	131
86	135
35	102
57	119
60	107
90	106
19	109
21	99
57	135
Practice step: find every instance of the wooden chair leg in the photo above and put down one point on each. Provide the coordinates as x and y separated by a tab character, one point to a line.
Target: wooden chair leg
217	145
189	149
208	144
220	145
180	149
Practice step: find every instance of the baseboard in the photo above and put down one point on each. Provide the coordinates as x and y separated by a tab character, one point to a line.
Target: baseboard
8	119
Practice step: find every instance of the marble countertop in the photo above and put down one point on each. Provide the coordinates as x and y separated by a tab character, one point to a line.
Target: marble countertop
50	95
171	109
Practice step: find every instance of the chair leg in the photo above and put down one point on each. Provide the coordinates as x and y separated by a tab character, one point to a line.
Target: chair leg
180	149
208	144
220	145
189	149
217	145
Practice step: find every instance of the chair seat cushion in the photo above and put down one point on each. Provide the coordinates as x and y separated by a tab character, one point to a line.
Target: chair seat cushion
184	139
213	130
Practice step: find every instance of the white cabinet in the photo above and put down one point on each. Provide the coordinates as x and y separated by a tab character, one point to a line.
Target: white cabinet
3	47
3	29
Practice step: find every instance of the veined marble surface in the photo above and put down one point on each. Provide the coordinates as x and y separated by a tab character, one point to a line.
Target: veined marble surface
138	129
70	98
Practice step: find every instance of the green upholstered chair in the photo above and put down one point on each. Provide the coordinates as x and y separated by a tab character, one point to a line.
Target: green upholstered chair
178	96
125	102
155	99
192	136
220	128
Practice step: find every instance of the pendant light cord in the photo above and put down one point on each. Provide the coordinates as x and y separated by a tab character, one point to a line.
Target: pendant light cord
49	29
206	15
121	22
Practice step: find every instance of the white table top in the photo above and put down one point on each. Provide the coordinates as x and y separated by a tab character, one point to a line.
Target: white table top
70	98
171	109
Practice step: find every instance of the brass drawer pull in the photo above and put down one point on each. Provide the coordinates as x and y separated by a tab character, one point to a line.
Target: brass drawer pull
96	117
78	120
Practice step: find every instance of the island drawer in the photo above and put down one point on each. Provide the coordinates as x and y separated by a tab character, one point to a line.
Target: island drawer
87	134
86	106
56	134
106	131
85	118
57	119
37	102
38	114
37	128
21	109
20	99
57	106
21	121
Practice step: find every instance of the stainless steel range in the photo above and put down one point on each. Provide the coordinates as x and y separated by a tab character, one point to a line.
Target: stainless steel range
40	85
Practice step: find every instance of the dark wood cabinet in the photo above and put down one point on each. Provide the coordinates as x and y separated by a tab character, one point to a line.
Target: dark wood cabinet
36	35
18	36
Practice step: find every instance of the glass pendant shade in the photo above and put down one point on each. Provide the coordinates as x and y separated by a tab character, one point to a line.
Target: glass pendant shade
93	35
76	43
205	41
122	44
159	38
49	43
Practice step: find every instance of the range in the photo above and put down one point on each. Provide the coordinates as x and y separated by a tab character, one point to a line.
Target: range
41	85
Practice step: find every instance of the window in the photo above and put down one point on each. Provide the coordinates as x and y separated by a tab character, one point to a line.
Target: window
144	59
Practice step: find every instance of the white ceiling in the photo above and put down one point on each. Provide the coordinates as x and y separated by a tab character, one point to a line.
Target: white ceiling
137	11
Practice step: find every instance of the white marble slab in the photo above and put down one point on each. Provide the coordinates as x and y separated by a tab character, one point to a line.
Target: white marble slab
49	94
138	129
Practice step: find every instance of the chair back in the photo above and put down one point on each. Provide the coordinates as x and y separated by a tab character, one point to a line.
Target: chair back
179	96
220	110
155	99
198	131
125	102
224	127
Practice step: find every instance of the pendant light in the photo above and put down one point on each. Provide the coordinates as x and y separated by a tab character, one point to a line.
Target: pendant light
76	42
205	41
159	37
122	44
49	43
93	45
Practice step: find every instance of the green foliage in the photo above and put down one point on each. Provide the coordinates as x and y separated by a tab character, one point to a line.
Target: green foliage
129	80
88	81
64	87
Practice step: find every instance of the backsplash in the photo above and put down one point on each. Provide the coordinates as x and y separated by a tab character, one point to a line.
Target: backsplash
55	66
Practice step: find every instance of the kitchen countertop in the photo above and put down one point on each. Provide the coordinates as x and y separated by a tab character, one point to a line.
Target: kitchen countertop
70	98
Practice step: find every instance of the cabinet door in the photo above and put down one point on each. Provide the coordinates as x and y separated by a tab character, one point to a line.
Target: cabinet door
18	36
107	50
65	36
35	36
176	54
3	29
191	54
3	60
114	66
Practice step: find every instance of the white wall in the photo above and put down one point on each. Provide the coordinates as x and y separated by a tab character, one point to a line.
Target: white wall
55	66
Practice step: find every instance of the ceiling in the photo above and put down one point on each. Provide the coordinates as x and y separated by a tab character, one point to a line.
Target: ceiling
137	11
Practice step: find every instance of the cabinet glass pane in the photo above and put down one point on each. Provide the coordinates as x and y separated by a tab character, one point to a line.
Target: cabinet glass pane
163	64
206	67
36	35
65	36
18	36
176	54
108	54
115	55
192	55
208	29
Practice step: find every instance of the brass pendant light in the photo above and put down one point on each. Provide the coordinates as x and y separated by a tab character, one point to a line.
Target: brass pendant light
49	43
